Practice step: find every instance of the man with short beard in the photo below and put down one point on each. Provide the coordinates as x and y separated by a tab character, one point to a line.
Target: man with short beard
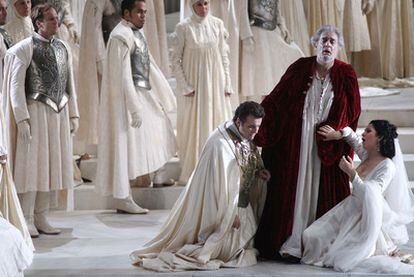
306	180
41	116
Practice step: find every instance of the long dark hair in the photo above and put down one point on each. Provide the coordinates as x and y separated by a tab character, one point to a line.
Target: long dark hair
386	133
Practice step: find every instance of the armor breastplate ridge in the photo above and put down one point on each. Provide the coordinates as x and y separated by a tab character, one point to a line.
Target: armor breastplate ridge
140	62
47	74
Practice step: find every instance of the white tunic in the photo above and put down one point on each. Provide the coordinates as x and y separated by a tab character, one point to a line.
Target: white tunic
200	63
124	152
361	226
198	233
318	103
45	164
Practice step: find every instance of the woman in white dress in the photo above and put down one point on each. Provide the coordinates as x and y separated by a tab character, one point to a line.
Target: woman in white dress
19	25
364	230
201	66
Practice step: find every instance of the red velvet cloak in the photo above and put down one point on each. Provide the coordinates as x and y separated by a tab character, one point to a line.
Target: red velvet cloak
280	137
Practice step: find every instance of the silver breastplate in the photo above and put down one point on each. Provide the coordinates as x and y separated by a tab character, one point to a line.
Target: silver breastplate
47	74
110	21
140	62
7	38
264	13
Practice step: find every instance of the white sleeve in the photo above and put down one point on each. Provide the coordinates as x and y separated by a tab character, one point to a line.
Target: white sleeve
355	141
177	58
225	49
17	89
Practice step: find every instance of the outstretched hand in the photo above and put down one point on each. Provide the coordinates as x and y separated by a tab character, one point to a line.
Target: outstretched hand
328	133
347	165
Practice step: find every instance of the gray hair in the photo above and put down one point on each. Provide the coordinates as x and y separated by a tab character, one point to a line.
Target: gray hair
326	29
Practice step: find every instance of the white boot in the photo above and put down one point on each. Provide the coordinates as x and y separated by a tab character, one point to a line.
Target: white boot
40	220
128	205
27	201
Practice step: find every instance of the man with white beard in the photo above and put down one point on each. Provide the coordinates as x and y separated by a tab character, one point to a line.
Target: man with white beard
307	181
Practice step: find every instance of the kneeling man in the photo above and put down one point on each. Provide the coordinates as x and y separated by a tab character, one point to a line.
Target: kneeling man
214	220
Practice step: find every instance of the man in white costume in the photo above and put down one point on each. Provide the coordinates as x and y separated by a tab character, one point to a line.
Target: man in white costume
41	115
20	25
213	222
99	19
135	134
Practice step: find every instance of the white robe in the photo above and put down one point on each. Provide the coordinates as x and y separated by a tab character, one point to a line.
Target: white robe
315	111
125	153
264	63
236	21
198	233
200	63
155	30
3	49
361	226
294	15
92	54
10	208
51	141
15	255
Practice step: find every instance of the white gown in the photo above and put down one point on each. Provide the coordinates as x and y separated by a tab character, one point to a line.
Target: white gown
201	64
15	254
361	226
198	233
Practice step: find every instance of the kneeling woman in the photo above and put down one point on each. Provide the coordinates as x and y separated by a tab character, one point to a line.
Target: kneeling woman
372	220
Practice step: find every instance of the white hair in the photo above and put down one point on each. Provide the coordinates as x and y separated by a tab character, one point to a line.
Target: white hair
327	29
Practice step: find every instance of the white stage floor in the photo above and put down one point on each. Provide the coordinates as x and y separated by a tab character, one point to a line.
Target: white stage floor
97	243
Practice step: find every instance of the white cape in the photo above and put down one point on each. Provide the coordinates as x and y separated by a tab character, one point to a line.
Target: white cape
198	233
